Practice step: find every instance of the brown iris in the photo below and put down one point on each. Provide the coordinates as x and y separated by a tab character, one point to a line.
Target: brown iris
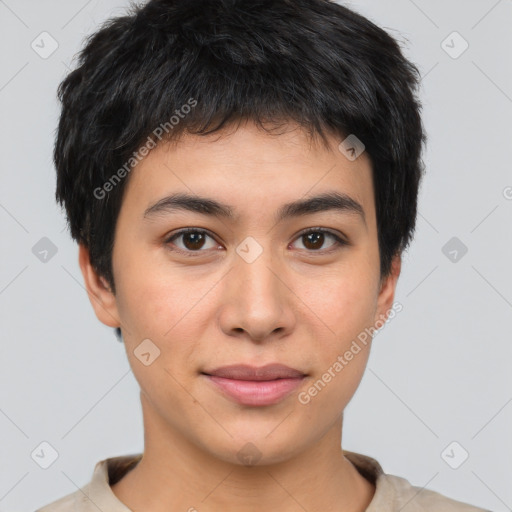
196	240
314	240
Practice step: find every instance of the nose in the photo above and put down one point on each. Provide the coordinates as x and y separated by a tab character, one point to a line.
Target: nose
257	302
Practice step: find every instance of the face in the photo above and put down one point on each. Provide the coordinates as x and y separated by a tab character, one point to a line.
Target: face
264	284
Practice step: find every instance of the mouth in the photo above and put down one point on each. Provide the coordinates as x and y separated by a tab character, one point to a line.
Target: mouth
255	386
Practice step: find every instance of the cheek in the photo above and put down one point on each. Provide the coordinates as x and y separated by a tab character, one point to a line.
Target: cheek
342	350
153	309
345	306
344	302
346	337
164	307
150	298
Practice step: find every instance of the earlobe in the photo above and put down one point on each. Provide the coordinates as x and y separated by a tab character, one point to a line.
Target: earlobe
102	299
387	289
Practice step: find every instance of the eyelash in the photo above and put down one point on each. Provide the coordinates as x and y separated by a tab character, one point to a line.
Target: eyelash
339	242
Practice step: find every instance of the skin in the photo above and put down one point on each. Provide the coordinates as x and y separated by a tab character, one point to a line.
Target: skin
297	304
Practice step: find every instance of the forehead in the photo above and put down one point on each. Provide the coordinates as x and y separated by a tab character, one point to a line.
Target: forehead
248	167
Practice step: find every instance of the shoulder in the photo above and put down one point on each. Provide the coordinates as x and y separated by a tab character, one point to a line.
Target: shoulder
396	494
97	495
77	500
410	498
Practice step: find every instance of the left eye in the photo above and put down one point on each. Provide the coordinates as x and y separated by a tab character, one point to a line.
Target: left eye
315	238
194	240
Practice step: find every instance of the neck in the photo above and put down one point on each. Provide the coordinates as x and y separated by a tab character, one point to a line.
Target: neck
175	474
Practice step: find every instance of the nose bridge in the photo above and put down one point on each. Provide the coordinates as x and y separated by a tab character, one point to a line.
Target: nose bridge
257	275
257	301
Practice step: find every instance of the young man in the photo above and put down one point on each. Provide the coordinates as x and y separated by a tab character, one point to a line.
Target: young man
242	178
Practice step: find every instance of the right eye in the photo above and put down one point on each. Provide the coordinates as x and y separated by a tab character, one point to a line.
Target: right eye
193	240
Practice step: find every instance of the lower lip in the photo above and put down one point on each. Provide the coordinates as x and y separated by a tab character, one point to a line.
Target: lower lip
251	392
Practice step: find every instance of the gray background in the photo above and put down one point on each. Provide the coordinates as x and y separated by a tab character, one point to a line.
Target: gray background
439	372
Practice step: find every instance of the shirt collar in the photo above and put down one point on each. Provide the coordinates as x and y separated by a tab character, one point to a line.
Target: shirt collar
97	494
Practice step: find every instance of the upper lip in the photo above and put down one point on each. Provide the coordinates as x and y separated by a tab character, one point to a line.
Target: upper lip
246	372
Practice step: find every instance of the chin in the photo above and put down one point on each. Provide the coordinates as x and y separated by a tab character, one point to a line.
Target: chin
258	449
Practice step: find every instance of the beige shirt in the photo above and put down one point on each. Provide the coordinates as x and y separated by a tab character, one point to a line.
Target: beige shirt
392	493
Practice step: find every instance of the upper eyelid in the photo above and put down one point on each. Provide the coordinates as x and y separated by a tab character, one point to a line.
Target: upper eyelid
184	231
324	230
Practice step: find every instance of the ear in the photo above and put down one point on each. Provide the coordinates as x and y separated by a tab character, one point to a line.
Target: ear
387	290
102	299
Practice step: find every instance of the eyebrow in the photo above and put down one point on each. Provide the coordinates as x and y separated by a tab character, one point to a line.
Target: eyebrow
206	206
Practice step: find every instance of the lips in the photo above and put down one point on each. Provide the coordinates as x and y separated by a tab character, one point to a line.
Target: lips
252	386
245	372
